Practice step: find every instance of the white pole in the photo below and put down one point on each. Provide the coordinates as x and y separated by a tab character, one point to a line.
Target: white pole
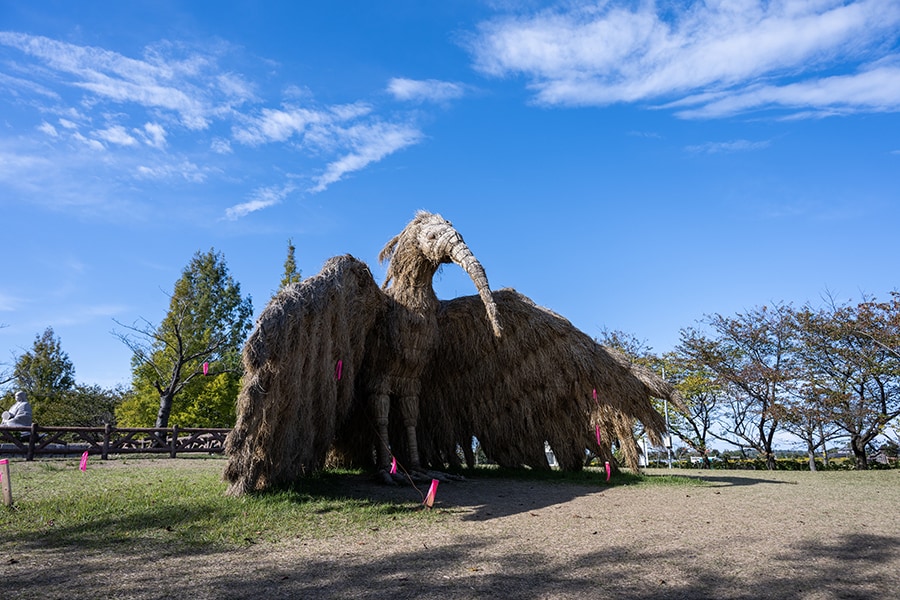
668	439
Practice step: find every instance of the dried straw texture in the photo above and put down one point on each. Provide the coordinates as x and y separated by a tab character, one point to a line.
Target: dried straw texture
533	384
292	402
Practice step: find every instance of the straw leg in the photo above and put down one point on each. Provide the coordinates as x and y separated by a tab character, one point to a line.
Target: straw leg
382	406
410	407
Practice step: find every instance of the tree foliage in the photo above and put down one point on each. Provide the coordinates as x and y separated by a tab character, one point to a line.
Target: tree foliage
752	355
207	323
46	374
291	273
819	374
852	375
702	394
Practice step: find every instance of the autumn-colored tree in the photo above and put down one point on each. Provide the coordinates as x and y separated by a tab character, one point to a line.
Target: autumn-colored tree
752	357
852	373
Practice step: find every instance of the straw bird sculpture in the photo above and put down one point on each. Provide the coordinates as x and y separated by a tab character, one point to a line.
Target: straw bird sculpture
338	367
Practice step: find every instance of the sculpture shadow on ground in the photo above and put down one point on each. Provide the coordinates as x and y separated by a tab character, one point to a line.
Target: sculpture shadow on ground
848	566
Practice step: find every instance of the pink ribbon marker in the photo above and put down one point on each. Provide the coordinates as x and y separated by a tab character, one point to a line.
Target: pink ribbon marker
595	395
429	499
394	465
205	368
608	471
598	435
338	369
84	457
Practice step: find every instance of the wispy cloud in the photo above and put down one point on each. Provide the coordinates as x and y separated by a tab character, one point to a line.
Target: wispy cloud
9	303
350	131
116	135
877	90
727	147
428	90
369	143
261	198
178	112
153	135
162	80
720	58
184	170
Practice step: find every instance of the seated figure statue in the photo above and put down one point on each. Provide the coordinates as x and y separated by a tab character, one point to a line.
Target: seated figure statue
19	414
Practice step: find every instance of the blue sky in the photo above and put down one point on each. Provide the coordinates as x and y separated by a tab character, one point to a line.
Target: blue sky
631	165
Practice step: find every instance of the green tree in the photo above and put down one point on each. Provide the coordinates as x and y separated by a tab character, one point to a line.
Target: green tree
697	385
291	273
87	406
194	352
47	375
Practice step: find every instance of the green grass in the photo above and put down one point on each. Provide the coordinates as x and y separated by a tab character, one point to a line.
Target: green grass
55	503
182	503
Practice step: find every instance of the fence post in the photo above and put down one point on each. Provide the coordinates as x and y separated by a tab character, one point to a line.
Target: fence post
31	439
106	429
5	483
174	441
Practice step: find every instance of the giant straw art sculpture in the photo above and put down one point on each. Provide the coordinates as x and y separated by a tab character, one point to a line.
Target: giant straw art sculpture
338	368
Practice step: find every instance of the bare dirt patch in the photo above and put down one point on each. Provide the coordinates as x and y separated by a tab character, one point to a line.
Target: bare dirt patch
733	535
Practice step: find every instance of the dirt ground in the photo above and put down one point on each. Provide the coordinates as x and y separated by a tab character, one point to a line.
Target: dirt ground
743	535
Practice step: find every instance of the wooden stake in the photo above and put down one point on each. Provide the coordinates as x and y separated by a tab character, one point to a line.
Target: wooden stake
4	482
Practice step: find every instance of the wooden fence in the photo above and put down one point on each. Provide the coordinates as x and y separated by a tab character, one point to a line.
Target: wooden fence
37	440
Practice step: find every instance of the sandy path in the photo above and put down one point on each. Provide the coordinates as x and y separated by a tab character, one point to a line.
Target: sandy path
744	535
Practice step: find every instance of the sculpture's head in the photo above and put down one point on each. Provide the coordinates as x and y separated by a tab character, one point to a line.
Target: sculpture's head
428	241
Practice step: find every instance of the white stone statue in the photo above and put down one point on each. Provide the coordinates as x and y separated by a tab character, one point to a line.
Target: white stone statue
19	414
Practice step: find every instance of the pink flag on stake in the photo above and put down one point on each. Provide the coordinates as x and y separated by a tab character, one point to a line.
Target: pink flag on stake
394	465
608	471
83	466
338	369
205	368
429	499
598	435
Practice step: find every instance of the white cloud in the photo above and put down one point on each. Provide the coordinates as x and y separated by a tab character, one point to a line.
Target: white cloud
370	143
153	134
429	90
877	90
116	135
49	129
719	51
220	146
9	303
280	125
184	170
724	147
126	106
160	82
274	125
90	143
261	198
